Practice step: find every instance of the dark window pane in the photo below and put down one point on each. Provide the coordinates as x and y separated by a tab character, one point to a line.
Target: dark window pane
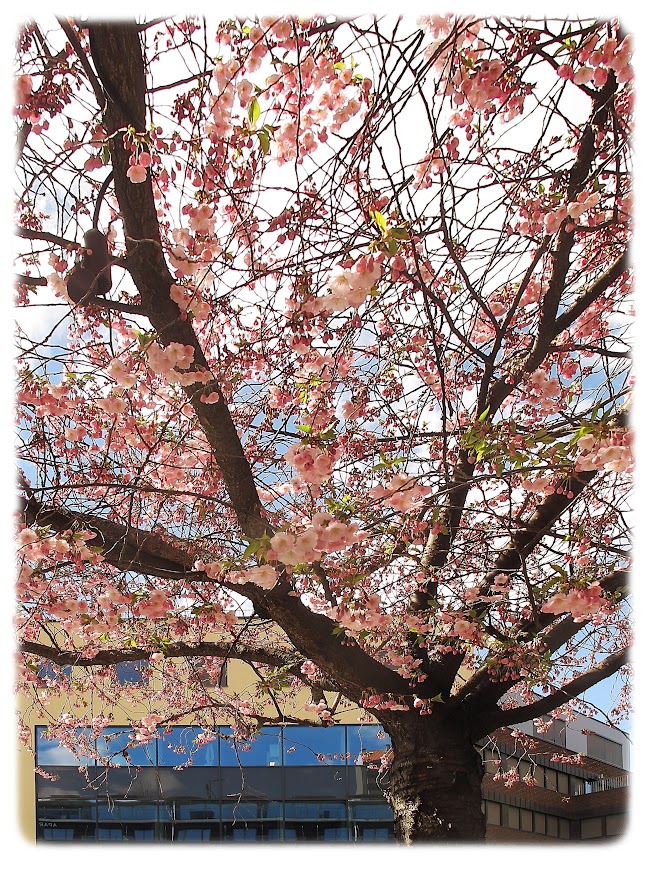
106	833
313	830
180	743
256	827
240	832
371	832
252	783
315	810
54	811
117	745
126	832
370	811
57	834
196	833
251	810
198	810
305	745
127	810
318	781
67	833
263	750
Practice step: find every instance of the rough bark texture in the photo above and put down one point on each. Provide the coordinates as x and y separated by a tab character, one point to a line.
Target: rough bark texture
435	778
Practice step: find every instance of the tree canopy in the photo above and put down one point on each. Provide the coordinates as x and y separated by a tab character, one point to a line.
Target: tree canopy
345	397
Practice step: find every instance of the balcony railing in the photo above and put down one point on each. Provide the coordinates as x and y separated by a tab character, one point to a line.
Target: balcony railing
602	784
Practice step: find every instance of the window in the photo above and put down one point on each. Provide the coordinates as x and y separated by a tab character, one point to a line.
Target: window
493	813
366	743
526	820
550	780
602	748
525	768
591	828
117	744
127	821
552	826
509	816
198	810
183	833
65	821
130	672
50	671
308	745
316	821
263	750
370	811
180	743
539	821
127	810
50	752
251	821
615	824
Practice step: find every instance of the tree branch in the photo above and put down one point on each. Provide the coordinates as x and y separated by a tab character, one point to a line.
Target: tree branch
565	694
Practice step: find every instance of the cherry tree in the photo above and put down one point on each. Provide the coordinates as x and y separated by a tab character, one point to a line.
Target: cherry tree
323	366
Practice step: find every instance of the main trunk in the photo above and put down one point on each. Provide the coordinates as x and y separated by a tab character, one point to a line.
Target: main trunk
435	778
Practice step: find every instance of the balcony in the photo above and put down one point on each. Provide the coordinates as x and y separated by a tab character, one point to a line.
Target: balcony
602	784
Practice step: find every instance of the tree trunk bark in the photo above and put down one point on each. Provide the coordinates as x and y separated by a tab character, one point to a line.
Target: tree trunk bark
435	778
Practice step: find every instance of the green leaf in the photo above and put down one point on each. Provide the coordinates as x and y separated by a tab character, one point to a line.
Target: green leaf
264	140
483	415
106	154
253	111
379	220
302	427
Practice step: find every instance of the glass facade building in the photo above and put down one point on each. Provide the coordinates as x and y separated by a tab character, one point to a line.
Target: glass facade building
292	783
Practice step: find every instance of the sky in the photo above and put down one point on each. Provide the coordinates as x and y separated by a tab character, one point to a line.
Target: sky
639	20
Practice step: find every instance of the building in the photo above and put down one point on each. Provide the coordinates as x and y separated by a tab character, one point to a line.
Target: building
307	784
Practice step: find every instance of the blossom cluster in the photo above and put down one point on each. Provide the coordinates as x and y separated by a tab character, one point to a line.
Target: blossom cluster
189	301
324	535
349	287
146	728
612	454
402	493
580	603
312	464
596	61
542	214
